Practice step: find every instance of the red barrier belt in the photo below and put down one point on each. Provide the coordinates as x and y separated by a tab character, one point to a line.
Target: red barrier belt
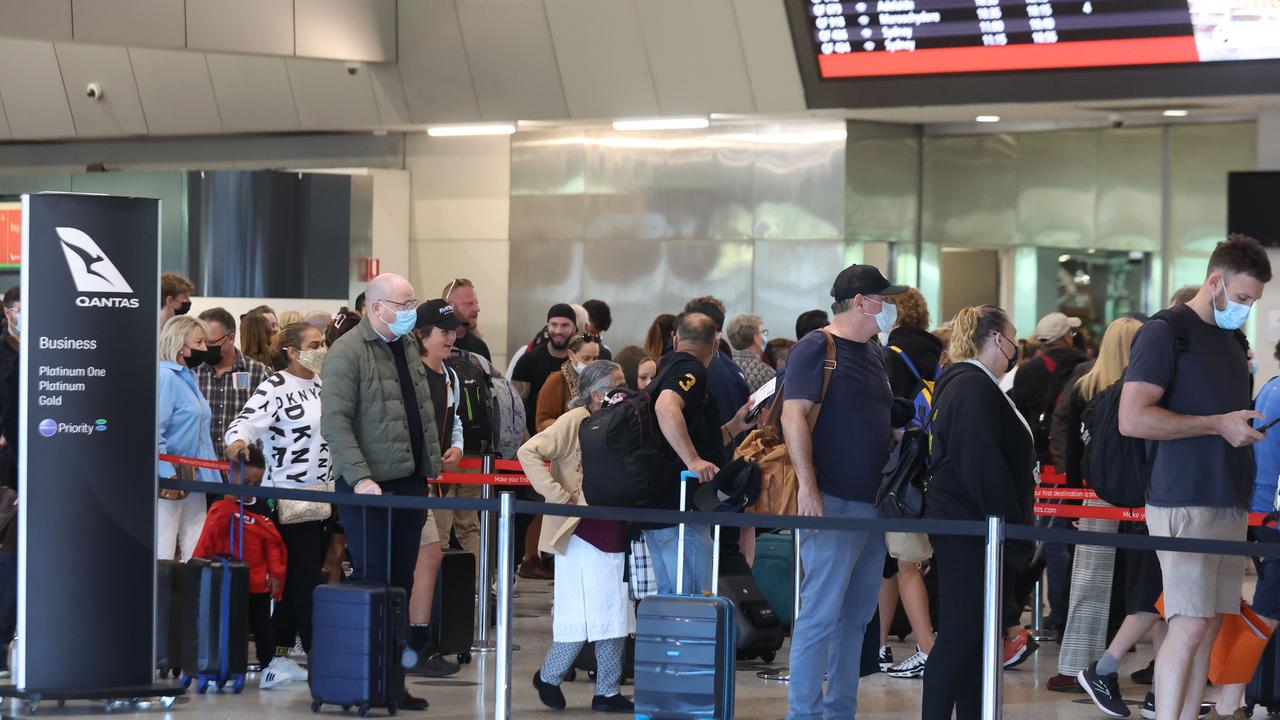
1056	493
512	466
454	478
1111	513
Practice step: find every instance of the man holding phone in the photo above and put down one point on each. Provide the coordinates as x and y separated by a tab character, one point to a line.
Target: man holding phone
1187	389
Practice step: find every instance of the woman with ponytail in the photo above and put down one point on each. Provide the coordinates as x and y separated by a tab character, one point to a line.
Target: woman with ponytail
283	415
983	464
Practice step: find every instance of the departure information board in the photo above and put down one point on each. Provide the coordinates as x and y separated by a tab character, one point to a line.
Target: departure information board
878	38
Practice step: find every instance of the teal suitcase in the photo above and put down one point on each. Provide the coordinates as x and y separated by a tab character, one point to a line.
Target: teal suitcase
775	572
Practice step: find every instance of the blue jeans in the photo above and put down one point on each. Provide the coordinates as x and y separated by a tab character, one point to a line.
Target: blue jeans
663	550
842	574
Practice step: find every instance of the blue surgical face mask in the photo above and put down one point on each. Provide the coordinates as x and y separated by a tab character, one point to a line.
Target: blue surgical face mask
404	322
1234	316
887	317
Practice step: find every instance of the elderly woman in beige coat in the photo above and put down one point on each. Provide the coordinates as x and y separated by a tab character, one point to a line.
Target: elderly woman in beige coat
590	597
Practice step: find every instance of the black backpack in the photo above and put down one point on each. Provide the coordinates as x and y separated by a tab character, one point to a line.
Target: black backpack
1059	383
474	401
1118	468
902	482
622	451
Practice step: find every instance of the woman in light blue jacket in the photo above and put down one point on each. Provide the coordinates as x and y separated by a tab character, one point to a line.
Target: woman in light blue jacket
182	423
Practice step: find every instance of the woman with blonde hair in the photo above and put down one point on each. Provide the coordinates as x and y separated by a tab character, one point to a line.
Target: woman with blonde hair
1088	605
183	429
983	461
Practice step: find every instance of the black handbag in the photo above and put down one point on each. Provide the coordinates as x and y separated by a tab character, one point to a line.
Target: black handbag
901	492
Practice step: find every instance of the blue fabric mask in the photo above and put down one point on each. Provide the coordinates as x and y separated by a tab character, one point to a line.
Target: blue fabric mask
887	317
1234	316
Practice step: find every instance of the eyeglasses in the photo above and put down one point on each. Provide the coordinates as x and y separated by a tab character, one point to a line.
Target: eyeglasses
405	304
451	286
219	340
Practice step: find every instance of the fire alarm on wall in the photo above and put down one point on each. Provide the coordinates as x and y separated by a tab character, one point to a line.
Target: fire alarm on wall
372	267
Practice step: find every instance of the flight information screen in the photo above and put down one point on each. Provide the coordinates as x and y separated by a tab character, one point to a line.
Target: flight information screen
877	38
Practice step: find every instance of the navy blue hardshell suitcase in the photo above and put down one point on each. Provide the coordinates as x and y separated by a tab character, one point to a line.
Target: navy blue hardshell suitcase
215	616
359	634
685	650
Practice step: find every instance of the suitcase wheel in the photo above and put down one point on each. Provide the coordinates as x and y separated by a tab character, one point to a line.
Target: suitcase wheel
768	657
315	706
392	710
591	675
346	708
464	658
186	681
31	707
364	710
238	685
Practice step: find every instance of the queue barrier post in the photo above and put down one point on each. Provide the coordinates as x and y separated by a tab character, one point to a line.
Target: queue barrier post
484	575
992	646
1038	631
502	668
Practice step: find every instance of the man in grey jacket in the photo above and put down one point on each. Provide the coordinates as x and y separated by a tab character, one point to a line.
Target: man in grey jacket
377	416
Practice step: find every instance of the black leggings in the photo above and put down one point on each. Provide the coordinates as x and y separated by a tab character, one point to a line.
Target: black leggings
953	674
306	544
264	634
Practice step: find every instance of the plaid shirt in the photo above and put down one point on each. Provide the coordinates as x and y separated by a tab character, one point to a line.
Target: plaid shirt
225	399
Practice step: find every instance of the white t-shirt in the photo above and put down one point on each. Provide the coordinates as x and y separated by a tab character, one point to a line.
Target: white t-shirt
284	415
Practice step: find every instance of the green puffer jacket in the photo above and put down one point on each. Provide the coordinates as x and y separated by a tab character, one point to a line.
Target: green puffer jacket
362	412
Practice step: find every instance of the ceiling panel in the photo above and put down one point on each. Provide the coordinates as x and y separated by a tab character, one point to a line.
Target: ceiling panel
36	19
144	23
433	63
118	111
513	61
388	92
253	93
34	100
770	56
346	29
176	91
697	56
328	97
250	26
604	74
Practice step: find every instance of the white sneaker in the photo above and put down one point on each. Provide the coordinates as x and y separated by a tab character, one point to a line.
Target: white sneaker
275	675
912	667
292	668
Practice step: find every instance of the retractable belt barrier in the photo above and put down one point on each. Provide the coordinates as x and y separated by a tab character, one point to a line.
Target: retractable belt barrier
1082	512
451	478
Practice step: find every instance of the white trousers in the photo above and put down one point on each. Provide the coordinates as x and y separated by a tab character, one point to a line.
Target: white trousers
178	526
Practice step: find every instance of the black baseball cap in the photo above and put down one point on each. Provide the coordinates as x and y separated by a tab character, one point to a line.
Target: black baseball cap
437	313
862	280
734	488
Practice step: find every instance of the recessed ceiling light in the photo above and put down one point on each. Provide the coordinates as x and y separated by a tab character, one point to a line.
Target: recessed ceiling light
1175	113
471	130
987	119
673	123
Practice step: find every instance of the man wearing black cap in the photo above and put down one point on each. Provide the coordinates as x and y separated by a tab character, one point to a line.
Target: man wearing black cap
536	366
838	443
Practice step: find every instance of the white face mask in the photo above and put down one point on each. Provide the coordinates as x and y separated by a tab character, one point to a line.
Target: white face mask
579	367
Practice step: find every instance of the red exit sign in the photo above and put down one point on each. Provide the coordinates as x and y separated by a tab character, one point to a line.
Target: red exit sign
10	234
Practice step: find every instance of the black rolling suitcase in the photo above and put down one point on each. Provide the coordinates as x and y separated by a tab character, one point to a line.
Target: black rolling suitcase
1264	688
215	616
685	651
760	630
586	661
359	634
453	611
169	618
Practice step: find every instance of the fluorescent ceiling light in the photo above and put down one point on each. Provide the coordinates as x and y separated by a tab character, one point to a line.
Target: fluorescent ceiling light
471	130
987	119
1176	113
674	123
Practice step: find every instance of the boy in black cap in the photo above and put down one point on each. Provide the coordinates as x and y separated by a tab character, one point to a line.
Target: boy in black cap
838	435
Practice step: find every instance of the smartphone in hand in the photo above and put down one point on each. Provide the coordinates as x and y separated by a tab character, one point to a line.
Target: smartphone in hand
1267	427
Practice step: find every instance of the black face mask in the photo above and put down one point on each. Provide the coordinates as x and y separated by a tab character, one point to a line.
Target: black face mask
183	309
1013	361
210	356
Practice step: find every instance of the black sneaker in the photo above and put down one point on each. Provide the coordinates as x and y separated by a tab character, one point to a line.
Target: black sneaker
1145	675
1104	690
433	666
886	658
413	704
549	694
1148	709
613	704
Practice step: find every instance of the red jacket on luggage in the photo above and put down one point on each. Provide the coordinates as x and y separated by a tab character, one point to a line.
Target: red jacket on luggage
264	550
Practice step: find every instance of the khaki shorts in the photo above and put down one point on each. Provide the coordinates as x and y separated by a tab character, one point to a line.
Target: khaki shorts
1196	585
430	534
908	547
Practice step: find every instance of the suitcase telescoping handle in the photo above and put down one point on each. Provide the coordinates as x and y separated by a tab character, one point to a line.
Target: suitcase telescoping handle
236	528
685	477
364	534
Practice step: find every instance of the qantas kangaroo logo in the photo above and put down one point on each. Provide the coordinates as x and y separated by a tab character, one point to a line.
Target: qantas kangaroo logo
91	269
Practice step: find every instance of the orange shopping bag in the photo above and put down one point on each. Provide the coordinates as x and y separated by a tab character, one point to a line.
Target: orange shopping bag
1239	646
